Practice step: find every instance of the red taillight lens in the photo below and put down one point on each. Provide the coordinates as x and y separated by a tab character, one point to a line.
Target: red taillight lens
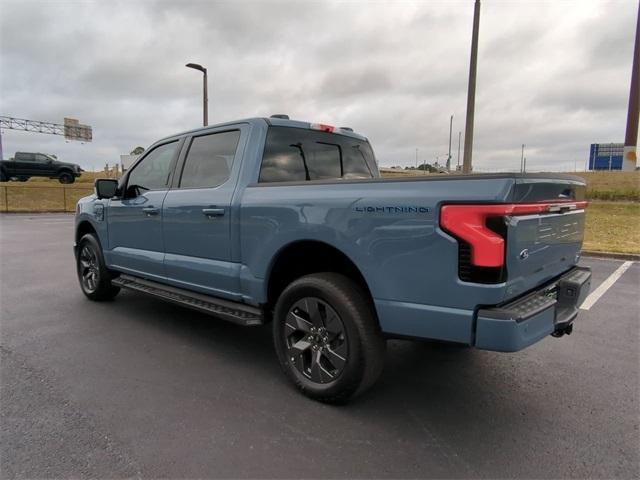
323	127
469	223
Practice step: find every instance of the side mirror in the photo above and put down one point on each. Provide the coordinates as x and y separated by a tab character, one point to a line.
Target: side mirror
106	187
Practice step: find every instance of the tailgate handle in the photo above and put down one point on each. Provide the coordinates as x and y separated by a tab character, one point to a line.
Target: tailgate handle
213	212
562	208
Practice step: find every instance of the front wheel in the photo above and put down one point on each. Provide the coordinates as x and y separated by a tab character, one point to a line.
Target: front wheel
66	178
94	277
327	337
3	176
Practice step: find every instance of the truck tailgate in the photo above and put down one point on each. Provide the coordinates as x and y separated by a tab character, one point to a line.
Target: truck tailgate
540	247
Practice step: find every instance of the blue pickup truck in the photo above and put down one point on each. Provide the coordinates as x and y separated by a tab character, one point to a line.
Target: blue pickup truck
271	220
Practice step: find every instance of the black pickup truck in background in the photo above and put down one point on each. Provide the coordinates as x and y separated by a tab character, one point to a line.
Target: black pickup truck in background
26	165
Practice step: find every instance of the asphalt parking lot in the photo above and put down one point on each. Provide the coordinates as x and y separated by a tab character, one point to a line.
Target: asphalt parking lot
140	388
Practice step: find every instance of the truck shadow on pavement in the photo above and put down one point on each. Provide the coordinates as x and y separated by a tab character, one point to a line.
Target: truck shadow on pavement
433	374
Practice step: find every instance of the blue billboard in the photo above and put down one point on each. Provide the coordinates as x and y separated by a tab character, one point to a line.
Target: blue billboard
606	156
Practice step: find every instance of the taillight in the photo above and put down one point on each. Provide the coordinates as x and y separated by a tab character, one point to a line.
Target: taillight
323	128
469	223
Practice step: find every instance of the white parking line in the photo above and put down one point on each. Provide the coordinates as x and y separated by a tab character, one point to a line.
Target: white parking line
594	296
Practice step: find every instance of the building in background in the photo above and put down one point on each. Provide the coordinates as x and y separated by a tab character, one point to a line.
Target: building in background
606	156
126	161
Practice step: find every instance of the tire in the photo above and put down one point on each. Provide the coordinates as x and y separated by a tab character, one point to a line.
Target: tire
327	337
23	179
66	178
3	176
93	275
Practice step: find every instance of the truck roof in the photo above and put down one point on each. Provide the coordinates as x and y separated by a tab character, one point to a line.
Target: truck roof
280	122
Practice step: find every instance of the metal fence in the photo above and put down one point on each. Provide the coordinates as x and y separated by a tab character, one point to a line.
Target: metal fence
41	198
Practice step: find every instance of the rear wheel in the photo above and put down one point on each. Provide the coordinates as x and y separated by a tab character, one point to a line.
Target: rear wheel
3	176
94	277
327	338
23	179
66	178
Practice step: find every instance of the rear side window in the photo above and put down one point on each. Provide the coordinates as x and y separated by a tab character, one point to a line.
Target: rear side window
25	157
209	160
298	154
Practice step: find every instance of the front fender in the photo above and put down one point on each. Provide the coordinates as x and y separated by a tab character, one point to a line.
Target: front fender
92	212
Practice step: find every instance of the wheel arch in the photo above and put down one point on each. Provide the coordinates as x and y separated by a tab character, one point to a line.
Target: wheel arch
83	228
304	257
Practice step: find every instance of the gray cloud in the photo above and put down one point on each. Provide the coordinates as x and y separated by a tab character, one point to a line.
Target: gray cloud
553	75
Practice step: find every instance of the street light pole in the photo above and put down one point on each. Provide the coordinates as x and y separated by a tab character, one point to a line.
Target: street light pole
449	157
205	95
522	159
471	93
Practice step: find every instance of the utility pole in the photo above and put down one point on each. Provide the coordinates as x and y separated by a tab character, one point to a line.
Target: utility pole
416	158
522	159
471	93
449	157
459	138
630	155
524	165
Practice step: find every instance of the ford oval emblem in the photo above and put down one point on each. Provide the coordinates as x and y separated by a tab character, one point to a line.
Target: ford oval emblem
524	254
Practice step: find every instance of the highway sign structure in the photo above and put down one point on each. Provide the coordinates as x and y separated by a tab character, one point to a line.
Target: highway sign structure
606	156
71	129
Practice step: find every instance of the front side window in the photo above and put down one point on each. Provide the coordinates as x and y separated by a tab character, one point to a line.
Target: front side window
152	173
209	161
298	154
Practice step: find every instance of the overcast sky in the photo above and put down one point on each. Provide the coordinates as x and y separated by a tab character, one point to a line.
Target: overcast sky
551	74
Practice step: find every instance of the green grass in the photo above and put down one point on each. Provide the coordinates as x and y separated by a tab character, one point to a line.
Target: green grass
39	197
613	227
613	186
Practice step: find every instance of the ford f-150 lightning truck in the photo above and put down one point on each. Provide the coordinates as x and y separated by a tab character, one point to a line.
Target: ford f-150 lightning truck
288	222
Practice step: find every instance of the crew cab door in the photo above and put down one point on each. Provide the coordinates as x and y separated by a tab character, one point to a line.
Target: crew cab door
197	213
43	165
135	220
24	164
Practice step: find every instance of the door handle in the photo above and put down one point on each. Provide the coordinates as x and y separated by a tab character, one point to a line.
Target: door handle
150	211
213	212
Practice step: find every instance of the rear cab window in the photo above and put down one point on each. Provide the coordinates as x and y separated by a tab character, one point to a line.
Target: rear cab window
298	154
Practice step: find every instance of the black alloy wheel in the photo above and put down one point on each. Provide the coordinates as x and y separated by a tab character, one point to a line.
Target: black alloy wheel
327	337
316	340
65	178
93	275
89	269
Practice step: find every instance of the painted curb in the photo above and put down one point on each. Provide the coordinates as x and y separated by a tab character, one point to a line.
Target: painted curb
618	256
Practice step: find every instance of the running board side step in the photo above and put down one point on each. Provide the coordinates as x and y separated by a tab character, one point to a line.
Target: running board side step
238	313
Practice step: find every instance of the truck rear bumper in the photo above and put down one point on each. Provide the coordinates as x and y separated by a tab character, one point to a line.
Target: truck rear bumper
549	309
